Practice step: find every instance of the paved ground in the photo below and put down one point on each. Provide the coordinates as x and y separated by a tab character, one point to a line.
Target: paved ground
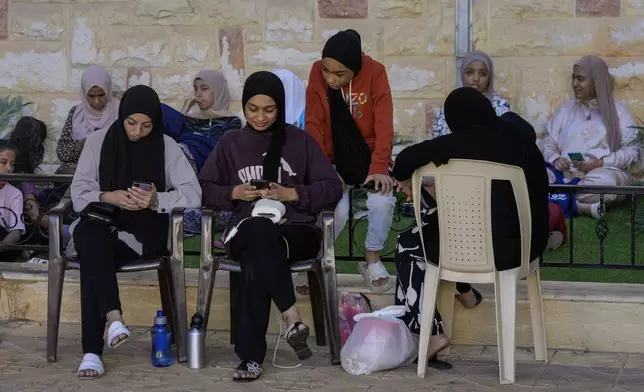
23	368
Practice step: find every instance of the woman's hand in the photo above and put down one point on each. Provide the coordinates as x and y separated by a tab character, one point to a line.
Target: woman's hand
245	192
144	199
120	198
281	193
381	182
405	187
80	144
589	164
561	164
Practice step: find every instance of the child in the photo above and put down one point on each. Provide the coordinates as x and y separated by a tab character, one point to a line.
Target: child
11	225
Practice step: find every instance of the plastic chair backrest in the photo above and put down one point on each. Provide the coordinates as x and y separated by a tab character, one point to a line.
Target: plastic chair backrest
463	194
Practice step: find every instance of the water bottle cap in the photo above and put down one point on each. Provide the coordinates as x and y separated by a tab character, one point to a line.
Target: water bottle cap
160	319
196	321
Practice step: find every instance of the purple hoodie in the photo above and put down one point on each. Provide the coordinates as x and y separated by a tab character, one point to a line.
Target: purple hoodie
238	158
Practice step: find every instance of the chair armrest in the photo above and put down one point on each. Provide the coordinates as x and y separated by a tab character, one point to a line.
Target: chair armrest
176	234
328	240
207	222
56	229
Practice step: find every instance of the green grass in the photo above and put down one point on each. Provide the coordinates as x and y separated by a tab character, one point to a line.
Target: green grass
586	249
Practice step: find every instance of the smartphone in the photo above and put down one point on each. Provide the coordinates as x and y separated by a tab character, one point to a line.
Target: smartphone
260	184
146	186
369	187
576	156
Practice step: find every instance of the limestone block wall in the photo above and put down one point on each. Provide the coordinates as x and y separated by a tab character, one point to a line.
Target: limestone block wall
46	44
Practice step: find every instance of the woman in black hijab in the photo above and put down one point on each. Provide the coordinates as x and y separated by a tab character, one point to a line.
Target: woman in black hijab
268	161
477	133
134	167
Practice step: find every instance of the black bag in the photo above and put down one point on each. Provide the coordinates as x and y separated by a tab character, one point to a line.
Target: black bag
100	211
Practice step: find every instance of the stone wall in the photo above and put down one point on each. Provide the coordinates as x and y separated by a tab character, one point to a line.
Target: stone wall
45	45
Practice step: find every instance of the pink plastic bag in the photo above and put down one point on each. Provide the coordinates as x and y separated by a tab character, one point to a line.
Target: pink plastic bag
350	304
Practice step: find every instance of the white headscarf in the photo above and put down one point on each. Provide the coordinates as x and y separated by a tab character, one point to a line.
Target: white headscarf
295	94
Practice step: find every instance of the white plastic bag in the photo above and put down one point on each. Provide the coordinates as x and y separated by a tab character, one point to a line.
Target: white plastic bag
379	341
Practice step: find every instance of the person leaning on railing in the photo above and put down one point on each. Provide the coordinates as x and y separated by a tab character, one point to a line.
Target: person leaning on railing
11	204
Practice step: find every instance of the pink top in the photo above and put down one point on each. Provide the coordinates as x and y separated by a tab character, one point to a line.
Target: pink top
11	204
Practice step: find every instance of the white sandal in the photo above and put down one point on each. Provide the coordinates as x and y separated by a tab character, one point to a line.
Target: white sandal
91	362
374	271
115	330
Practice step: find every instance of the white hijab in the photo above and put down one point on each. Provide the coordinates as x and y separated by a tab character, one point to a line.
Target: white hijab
295	95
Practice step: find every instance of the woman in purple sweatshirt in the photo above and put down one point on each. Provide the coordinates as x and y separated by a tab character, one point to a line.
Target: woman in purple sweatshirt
300	177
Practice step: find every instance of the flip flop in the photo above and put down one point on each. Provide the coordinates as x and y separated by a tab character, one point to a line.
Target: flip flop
297	340
477	295
91	362
251	367
115	330
373	271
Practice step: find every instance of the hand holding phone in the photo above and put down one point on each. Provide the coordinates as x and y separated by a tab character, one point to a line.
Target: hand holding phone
146	186
260	184
576	156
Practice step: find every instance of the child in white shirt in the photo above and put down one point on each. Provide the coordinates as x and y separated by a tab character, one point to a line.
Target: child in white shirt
12	226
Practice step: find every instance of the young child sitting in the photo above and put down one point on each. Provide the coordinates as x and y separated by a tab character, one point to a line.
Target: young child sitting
12	226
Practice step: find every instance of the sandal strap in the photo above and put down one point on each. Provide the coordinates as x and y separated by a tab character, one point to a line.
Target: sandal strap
377	271
294	327
251	367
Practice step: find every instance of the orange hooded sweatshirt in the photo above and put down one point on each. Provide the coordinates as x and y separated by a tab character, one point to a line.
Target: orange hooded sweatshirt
373	111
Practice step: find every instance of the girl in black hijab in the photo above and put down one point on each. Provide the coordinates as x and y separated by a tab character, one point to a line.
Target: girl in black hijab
349	111
134	167
268	159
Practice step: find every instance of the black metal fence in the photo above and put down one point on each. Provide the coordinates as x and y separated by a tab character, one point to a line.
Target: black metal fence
50	188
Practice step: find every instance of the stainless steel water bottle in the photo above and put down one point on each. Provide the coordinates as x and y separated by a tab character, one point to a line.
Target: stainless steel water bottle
196	343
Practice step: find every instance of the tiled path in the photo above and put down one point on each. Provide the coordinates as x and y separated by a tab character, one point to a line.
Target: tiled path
23	368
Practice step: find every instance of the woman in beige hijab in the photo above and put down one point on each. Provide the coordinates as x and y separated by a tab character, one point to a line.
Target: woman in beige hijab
203	120
592	136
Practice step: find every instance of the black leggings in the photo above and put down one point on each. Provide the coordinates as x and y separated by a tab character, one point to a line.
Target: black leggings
265	251
101	253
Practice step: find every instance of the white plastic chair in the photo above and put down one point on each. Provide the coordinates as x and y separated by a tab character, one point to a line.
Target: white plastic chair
463	191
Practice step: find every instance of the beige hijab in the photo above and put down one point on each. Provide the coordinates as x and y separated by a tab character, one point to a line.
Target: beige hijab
219	87
477	55
603	83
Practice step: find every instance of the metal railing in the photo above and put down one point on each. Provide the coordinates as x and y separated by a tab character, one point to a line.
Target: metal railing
36	234
403	219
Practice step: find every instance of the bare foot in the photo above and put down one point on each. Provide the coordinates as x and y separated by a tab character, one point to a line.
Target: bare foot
88	373
438	343
247	371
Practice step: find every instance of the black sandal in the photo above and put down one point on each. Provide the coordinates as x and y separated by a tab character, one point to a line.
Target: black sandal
478	296
434	362
251	368
297	339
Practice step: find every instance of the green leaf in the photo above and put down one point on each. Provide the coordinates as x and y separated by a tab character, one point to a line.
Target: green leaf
9	108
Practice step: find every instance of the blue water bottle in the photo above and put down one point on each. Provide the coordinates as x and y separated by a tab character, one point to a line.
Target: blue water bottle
161	341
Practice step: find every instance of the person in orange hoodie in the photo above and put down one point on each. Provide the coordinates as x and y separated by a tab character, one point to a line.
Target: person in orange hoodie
349	112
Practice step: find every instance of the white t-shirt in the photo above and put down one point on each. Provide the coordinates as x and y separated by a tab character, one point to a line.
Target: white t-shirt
11	208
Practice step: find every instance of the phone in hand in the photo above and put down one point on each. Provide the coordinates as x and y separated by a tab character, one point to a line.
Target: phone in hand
260	184
146	186
370	186
576	156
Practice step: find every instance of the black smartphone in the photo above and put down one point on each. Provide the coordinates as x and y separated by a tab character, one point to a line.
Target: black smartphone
369	187
260	184
146	186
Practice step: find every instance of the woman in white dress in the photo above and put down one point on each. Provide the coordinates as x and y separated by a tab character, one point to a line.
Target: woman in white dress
592	136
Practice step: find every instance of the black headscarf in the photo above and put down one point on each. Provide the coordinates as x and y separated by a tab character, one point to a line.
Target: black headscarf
124	162
467	108
520	125
267	83
351	154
